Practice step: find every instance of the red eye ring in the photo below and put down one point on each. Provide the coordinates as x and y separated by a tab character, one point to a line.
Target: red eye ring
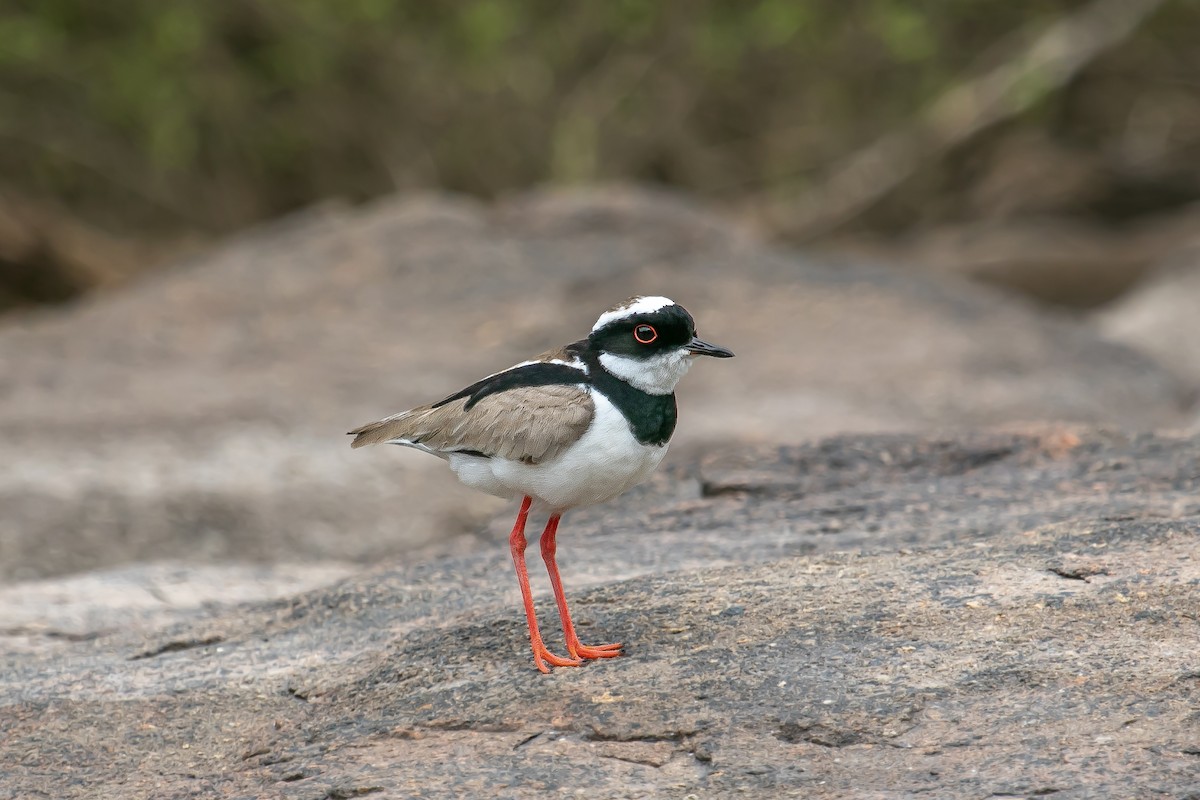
645	333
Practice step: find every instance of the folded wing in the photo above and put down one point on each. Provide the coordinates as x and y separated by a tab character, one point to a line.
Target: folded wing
526	423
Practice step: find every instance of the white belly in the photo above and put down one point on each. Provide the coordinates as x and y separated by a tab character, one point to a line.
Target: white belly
605	462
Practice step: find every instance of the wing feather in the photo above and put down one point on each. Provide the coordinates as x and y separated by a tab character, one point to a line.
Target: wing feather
525	423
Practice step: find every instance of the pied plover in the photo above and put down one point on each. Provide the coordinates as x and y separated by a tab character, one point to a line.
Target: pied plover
575	426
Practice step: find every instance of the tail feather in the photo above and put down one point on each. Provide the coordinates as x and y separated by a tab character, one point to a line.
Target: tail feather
373	433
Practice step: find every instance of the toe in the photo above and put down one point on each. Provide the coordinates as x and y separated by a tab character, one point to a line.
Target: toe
543	656
598	651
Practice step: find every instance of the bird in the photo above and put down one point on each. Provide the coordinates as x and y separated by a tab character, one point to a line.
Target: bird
572	427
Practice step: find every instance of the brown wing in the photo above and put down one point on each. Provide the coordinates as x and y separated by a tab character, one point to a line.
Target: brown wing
528	424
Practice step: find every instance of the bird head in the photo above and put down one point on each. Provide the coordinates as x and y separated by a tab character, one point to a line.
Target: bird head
650	343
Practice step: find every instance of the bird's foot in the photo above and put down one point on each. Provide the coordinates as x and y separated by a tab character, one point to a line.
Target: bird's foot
579	650
541	656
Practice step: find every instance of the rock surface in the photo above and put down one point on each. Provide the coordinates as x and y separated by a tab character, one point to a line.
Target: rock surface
1162	317
885	616
199	415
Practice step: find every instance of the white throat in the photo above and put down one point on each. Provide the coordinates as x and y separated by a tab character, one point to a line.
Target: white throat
656	375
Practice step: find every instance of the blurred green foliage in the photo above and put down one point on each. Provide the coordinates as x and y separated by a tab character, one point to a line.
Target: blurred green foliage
211	114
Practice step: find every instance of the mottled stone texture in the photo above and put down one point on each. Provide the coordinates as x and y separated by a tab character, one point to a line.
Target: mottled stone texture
884	616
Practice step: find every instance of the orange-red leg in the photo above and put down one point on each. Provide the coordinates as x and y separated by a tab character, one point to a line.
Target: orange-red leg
574	646
516	543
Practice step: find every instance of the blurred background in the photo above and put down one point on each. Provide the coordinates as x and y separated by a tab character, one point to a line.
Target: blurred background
231	231
1051	145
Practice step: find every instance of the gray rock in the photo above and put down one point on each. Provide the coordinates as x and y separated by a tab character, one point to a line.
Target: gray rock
1162	317
199	415
38	615
882	616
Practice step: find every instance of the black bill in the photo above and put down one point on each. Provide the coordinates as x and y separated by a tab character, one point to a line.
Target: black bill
698	347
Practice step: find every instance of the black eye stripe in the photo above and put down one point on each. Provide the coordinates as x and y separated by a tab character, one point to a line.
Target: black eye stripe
670	327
